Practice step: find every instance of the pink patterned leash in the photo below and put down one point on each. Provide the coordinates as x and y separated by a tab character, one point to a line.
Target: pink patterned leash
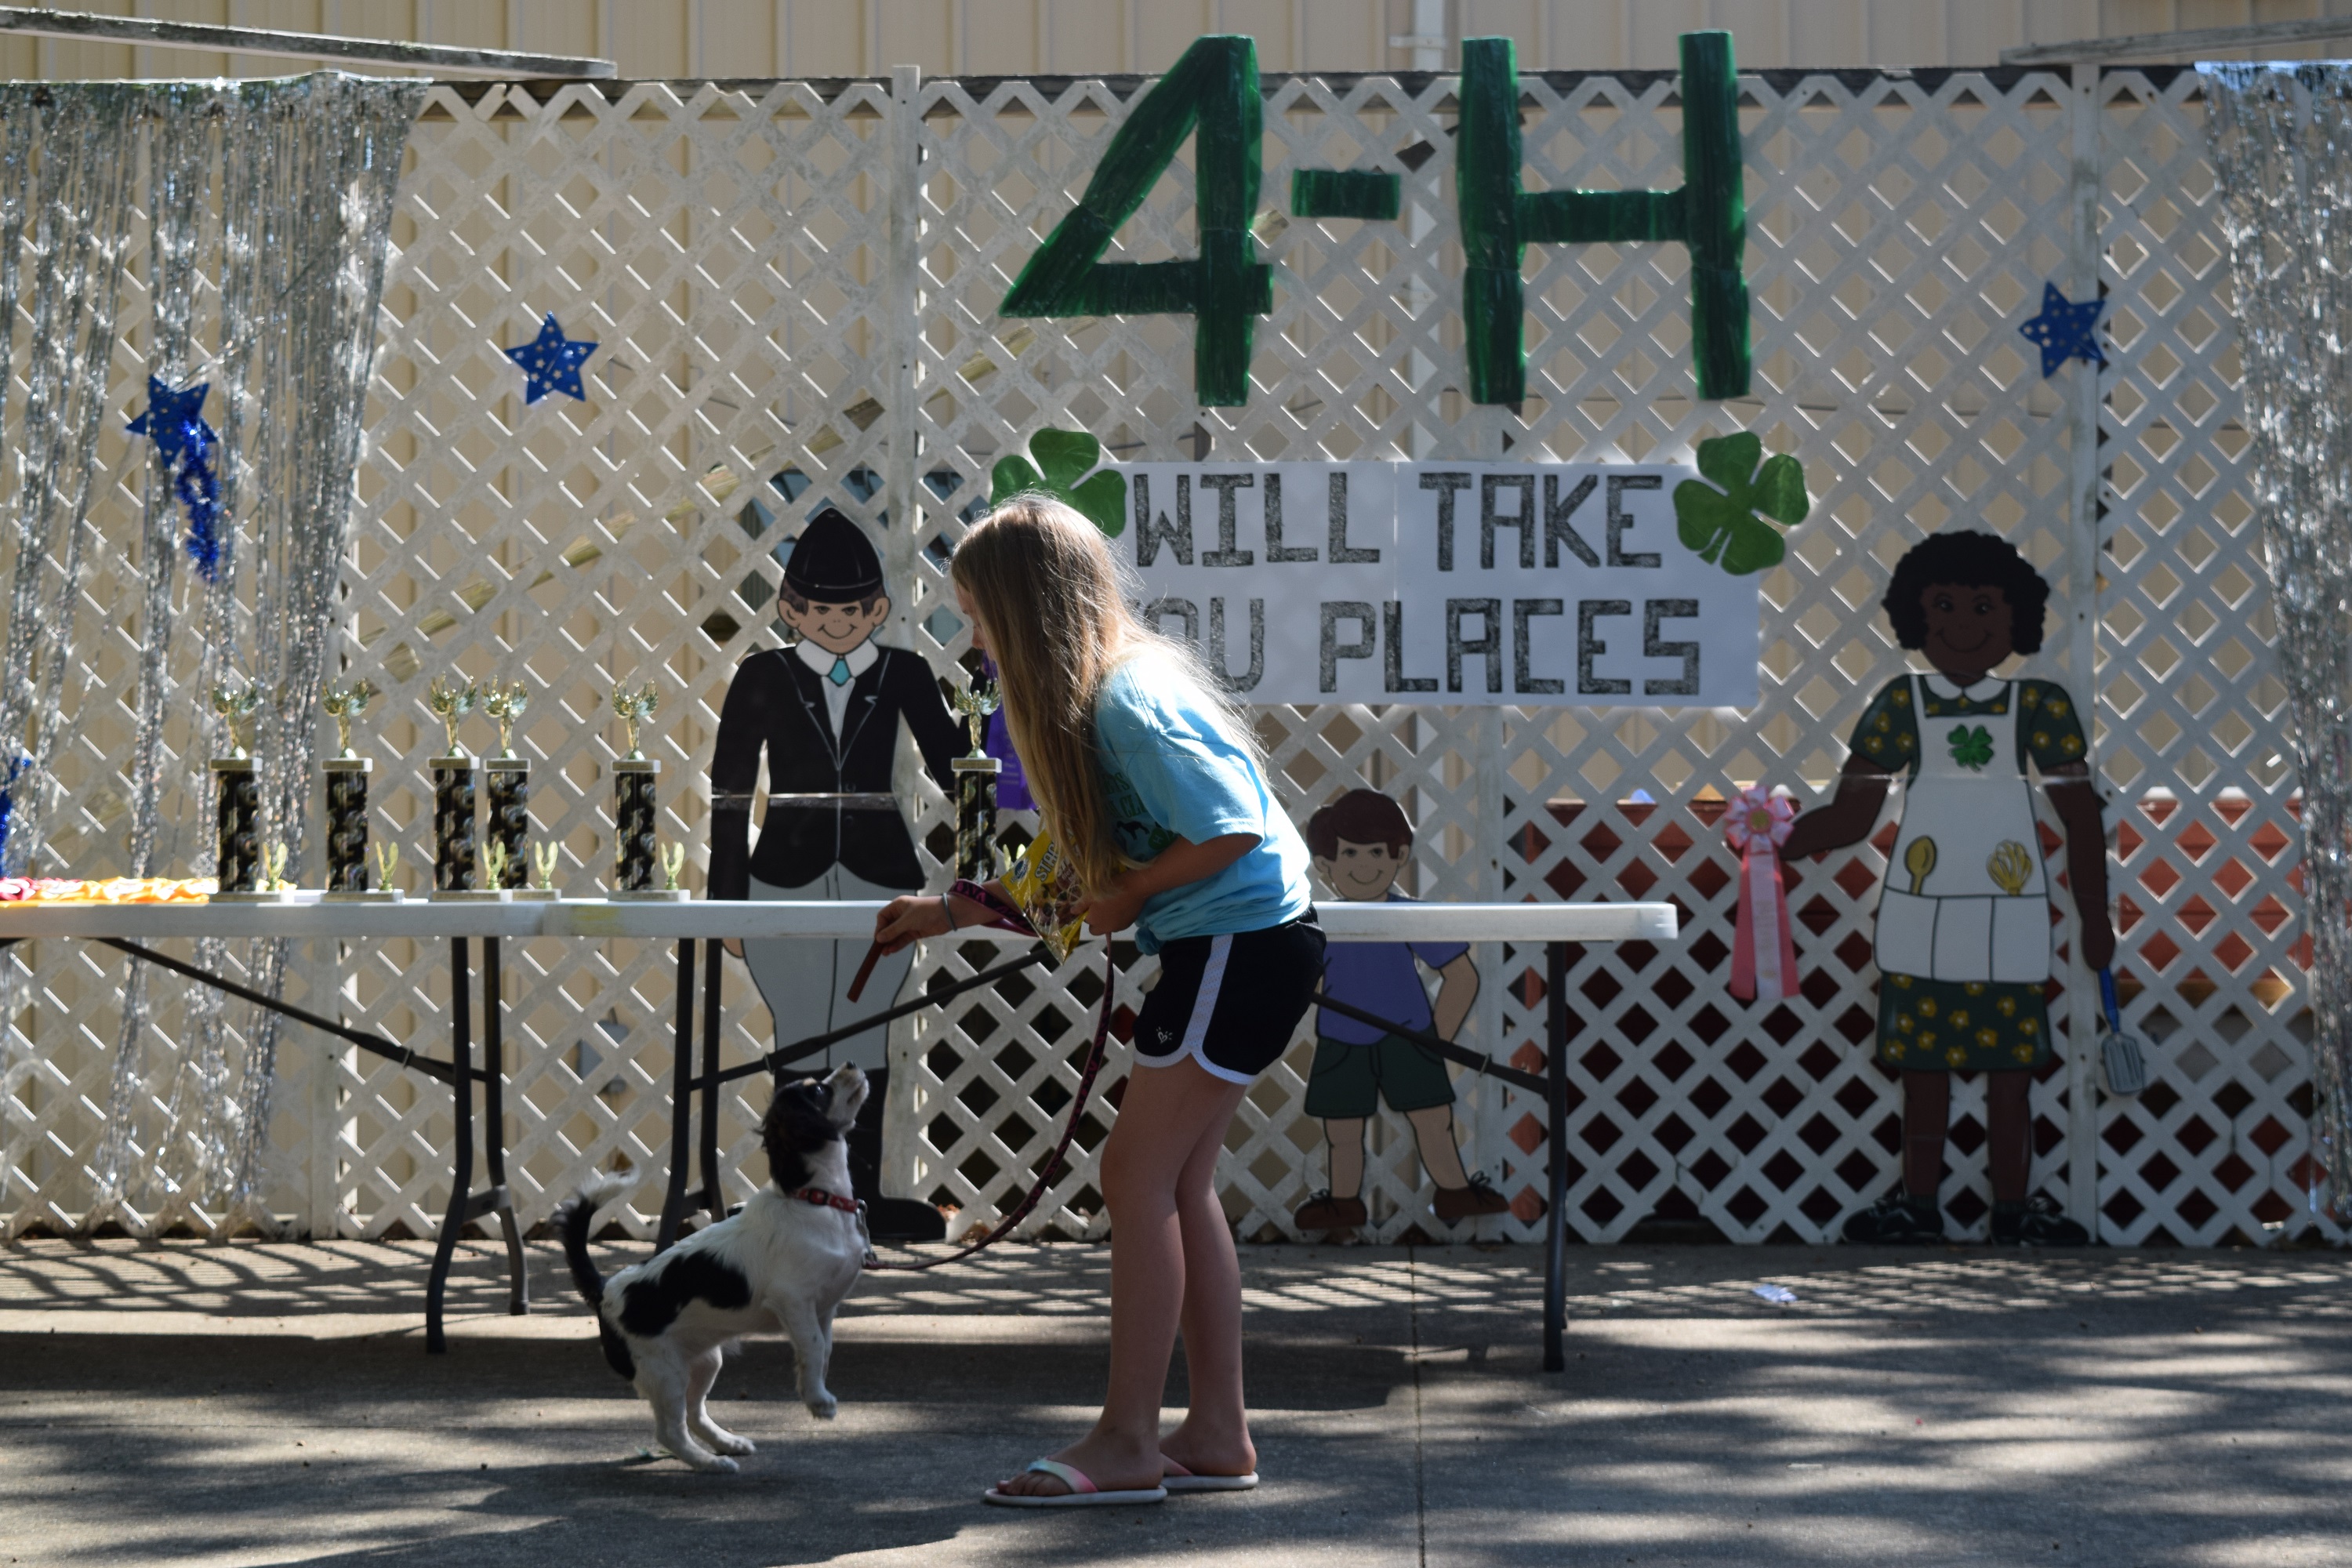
1052	1170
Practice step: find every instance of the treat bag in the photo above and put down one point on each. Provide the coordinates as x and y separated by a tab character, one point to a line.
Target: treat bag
1045	886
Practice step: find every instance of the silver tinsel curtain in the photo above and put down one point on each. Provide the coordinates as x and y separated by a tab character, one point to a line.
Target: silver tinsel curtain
2282	140
279	196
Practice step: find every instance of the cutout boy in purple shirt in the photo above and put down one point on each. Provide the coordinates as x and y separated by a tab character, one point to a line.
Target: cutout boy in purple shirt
1360	844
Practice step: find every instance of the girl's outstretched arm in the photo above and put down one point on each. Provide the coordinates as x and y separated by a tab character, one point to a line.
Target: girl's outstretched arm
1181	862
913	916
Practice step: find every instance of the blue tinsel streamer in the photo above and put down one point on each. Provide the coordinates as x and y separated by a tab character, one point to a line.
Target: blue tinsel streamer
175	421
14	771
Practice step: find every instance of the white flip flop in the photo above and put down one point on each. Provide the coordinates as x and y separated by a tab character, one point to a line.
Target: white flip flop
1175	1477
1082	1492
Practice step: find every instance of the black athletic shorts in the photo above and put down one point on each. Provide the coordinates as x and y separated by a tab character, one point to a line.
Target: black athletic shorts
1231	1003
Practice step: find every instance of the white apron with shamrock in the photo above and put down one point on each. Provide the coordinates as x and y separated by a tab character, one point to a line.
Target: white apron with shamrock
1965	897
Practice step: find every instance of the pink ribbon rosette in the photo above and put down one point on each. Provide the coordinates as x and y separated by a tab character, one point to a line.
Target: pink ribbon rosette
1763	948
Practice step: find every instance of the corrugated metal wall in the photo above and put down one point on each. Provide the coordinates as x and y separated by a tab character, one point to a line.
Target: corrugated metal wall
1019	38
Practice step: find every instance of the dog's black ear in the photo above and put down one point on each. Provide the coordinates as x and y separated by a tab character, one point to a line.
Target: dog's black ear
785	1166
797	1124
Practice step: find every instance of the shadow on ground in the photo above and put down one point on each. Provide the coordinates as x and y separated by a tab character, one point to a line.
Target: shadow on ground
192	1404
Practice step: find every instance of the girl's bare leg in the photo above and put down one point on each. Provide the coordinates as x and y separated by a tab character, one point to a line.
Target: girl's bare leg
1169	1116
1213	1437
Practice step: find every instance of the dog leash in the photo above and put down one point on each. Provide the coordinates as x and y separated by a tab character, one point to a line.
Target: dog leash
1051	1173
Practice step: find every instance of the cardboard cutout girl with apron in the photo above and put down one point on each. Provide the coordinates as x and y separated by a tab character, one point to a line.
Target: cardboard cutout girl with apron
1964	922
1964	919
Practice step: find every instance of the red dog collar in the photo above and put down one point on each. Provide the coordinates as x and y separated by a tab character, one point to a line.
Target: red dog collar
826	1200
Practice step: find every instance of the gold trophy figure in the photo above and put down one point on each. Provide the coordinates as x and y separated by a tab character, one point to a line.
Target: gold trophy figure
344	703
505	704
975	701
450	704
237	707
634	708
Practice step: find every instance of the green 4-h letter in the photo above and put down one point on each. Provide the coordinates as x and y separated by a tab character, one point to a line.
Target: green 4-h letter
1212	90
1499	221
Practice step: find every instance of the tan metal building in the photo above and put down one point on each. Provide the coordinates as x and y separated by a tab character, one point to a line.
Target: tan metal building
741	39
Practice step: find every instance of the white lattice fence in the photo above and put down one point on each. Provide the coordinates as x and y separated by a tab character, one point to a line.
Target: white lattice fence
795	288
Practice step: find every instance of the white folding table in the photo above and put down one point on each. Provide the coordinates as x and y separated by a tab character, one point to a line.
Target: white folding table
461	921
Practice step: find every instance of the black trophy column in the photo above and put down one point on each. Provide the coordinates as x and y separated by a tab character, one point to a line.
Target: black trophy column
238	845
975	849
453	823
632	824
346	828
508	823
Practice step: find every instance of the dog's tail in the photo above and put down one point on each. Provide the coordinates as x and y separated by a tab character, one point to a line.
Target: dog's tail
574	1218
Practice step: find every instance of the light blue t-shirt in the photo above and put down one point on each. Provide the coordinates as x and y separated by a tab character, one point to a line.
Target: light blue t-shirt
1170	771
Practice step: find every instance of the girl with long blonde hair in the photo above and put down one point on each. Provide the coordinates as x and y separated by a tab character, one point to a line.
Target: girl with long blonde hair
1150	781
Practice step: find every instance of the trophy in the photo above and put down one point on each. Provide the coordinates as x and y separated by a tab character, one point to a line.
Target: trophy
450	704
347	796
633	804
634	708
453	791
508	820
494	862
976	775
238	820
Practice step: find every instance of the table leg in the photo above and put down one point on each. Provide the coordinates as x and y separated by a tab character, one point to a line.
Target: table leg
499	1200
682	1101
461	1174
714	1186
1556	1213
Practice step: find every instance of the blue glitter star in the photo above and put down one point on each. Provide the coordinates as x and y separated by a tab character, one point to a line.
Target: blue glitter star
175	421
2065	330
552	362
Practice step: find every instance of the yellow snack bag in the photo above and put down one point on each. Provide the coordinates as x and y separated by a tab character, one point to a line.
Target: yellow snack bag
1045	887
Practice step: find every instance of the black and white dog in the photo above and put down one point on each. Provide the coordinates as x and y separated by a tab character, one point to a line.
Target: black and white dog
787	1259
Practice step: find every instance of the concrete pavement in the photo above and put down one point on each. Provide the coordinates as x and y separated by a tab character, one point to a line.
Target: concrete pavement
187	1404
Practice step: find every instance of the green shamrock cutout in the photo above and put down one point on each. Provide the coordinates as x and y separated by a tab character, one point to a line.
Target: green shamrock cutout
1062	459
1718	520
1971	748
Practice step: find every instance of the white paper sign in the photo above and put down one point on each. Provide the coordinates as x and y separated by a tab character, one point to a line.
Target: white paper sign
1537	584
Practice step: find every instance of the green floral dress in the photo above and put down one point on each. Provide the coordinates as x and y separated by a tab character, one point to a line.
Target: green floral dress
1966	1026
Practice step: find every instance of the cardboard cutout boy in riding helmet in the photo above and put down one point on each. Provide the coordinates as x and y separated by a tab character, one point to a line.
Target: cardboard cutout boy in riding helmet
827	711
